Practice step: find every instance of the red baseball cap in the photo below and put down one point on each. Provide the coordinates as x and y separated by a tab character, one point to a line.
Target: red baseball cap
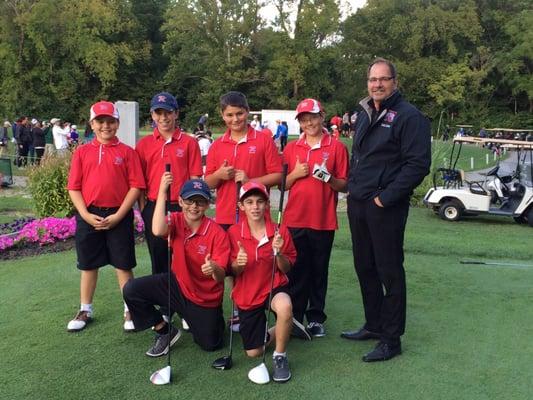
308	106
251	186
103	108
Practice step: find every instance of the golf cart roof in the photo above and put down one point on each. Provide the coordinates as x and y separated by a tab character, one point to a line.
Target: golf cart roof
508	130
510	142
464	126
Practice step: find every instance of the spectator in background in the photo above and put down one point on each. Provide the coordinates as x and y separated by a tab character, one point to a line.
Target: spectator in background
335	120
202	122
353	120
346	124
256	124
88	134
282	134
24	140
4	138
335	132
49	147
60	135
39	141
204	142
73	136
266	130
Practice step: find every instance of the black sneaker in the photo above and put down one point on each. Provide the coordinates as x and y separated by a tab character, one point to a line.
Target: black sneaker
282	372
299	331
161	342
316	329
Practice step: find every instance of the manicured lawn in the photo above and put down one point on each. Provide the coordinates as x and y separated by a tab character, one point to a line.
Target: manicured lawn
468	331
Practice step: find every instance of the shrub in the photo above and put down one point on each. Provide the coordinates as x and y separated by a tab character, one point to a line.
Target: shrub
437	155
48	186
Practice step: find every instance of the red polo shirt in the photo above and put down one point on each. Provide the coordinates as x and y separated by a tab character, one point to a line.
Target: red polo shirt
255	154
251	288
104	173
189	252
181	152
313	203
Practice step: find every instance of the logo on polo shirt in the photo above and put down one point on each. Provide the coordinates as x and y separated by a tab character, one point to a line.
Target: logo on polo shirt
180	153
202	249
325	155
389	117
118	160
252	149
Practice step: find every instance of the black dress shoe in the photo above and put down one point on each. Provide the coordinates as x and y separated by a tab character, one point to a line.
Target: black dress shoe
383	352
361	334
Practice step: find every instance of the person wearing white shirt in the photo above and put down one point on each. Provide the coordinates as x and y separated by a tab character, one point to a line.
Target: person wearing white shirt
60	136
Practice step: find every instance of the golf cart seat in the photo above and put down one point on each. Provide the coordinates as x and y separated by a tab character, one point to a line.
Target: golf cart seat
6	173
474	186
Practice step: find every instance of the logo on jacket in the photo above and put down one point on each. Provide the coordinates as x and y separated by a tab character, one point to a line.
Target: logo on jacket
389	117
202	249
180	153
252	149
118	160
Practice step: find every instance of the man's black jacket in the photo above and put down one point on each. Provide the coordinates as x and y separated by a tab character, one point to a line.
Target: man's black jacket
391	151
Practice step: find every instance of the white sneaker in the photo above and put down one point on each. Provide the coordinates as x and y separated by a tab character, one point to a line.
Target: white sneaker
79	322
128	322
184	325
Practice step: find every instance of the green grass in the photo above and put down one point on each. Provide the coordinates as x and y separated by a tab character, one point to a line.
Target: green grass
468	335
13	205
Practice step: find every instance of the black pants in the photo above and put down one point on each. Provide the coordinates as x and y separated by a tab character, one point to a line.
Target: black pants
283	142
157	247
377	240
308	278
143	294
22	158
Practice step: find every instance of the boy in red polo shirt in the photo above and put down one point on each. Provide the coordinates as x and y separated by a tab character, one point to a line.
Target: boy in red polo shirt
104	182
257	243
240	155
166	145
201	252
318	167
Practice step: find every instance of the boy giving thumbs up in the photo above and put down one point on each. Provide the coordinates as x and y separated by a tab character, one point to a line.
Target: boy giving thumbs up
200	254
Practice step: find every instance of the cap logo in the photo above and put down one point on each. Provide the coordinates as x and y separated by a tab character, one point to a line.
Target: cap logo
162	99
197	185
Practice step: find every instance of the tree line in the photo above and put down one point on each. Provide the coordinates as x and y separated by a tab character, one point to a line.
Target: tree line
466	61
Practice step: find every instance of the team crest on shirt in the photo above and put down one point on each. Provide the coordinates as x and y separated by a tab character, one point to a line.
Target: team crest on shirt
252	150
202	249
180	153
325	155
389	117
118	160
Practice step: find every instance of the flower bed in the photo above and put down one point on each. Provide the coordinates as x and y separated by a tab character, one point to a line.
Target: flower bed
34	234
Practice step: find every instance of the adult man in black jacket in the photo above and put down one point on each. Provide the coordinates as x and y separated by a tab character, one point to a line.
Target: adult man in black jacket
391	155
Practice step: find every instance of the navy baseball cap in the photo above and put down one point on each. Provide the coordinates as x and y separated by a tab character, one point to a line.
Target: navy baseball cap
195	187
165	101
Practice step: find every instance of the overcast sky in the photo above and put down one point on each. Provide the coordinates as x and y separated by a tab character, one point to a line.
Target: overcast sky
347	7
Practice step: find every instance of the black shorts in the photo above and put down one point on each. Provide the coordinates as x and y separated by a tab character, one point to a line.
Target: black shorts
252	322
98	248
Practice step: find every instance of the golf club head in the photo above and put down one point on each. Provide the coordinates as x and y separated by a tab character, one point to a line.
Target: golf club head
223	363
161	376
259	374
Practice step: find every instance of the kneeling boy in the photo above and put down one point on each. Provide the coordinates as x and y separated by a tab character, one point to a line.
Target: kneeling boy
258	246
200	257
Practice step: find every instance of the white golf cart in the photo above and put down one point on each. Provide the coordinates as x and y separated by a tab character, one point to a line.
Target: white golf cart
509	195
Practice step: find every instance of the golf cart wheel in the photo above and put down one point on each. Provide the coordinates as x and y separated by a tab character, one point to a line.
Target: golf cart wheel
520	219
530	216
450	211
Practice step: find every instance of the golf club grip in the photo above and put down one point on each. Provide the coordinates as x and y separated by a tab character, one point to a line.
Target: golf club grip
282	190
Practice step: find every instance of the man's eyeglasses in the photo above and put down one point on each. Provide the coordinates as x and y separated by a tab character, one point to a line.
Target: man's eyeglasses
380	80
198	202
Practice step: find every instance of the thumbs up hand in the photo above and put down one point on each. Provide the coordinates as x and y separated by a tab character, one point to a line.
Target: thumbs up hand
242	257
301	170
226	171
208	267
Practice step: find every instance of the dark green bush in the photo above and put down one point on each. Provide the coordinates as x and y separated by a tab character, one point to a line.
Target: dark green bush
48	186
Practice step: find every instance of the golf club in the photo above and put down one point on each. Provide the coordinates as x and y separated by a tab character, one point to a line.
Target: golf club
260	373
226	362
496	263
163	376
